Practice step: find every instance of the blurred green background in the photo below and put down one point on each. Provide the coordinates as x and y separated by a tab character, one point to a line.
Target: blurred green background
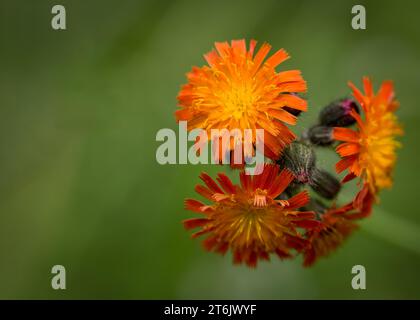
79	111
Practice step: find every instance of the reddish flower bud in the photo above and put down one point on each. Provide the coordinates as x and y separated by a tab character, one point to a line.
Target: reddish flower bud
337	113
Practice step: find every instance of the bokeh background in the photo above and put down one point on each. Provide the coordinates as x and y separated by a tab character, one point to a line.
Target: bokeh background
79	111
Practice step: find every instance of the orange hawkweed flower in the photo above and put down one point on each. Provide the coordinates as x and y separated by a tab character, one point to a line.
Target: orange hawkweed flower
337	224
240	90
369	152
247	218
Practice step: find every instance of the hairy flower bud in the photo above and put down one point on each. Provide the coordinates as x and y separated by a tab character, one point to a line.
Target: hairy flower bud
320	135
325	184
337	113
300	159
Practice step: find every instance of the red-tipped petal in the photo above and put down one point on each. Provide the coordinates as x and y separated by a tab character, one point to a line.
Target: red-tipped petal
277	58
343	164
348	149
195	223
210	183
195	205
298	200
348	177
205	192
345	134
280	183
226	184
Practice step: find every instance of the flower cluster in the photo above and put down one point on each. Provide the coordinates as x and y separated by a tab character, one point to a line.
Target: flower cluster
273	213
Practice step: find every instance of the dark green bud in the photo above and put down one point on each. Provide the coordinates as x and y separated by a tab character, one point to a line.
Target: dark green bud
300	159
320	135
337	113
325	184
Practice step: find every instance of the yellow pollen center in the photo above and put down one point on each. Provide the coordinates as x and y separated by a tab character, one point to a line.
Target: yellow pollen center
238	101
377	152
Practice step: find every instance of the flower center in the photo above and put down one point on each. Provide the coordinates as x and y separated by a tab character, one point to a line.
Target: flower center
377	154
260	199
238	101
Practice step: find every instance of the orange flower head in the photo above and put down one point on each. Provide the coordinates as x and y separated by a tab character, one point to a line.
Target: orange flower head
337	224
247	218
242	90
370	151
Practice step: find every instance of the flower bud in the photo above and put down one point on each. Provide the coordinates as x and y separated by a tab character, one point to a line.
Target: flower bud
337	113
300	159
325	184
320	135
